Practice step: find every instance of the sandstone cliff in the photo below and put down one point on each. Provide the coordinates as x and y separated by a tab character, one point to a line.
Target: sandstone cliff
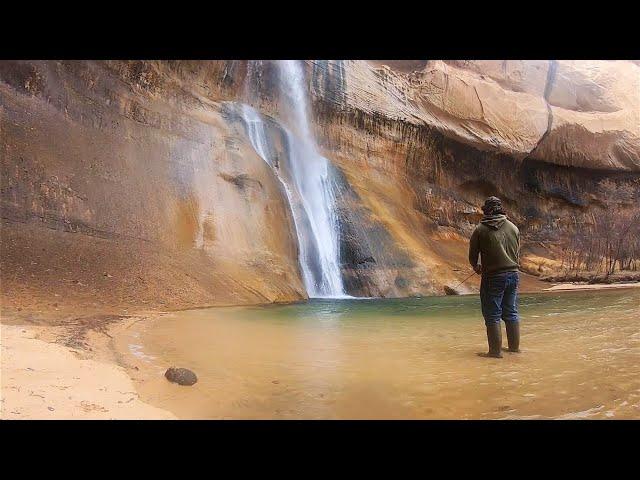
134	183
121	186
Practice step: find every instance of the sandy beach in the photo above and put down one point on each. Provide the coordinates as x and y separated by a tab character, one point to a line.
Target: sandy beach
45	380
587	286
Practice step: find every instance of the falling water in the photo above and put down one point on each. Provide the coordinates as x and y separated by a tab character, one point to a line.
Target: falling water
306	178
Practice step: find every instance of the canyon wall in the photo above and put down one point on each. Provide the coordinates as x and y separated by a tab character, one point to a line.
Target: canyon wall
424	147
124	184
134	182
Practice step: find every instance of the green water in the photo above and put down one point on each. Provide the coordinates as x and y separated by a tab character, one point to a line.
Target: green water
367	313
402	358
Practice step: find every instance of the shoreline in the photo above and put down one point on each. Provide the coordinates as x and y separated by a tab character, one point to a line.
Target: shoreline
568	286
229	386
43	378
53	369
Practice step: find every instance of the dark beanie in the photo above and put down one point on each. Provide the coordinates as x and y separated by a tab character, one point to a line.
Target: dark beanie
492	206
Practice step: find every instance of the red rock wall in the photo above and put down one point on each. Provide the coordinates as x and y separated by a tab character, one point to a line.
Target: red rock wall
133	182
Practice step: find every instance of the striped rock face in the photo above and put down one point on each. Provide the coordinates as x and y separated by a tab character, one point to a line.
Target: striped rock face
136	183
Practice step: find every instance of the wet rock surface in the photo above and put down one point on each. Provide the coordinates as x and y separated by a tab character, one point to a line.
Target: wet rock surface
450	290
118	167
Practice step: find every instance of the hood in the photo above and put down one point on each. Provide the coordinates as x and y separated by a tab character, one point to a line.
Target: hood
493	221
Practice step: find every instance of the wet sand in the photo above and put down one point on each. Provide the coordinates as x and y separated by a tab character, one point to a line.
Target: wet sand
45	380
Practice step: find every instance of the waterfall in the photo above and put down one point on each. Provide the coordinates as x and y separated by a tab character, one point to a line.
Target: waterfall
306	178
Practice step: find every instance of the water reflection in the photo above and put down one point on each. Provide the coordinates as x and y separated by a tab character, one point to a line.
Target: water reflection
402	358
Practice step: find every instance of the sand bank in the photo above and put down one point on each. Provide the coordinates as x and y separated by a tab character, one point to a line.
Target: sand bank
587	286
43	380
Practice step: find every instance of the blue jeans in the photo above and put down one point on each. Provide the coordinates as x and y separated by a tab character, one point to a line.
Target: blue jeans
499	297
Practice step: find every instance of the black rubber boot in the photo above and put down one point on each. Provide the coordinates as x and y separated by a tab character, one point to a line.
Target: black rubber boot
494	338
513	336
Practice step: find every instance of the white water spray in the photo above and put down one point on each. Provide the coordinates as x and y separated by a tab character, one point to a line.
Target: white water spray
306	178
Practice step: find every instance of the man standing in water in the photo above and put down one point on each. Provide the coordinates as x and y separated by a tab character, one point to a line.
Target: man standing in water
497	241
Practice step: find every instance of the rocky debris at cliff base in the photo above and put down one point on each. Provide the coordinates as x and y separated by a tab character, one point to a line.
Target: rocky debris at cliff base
181	376
450	290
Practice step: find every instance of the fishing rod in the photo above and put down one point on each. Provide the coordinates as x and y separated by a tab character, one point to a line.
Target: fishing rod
454	291
472	274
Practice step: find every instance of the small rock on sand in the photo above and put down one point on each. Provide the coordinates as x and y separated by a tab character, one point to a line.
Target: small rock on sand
181	376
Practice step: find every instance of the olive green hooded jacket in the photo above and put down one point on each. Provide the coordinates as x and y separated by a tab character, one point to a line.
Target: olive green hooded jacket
497	241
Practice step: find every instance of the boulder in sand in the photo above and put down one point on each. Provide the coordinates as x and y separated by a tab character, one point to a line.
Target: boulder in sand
181	376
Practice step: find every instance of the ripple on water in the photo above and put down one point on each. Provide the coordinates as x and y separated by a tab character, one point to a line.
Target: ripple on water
398	357
582	414
136	350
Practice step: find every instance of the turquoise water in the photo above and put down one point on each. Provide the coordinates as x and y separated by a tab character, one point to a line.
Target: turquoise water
402	358
463	308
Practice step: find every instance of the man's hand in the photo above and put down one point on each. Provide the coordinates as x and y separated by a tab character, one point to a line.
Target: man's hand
478	269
